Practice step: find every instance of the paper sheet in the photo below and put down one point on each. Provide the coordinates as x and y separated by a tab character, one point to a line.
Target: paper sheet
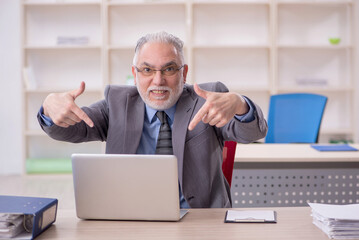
337	221
339	212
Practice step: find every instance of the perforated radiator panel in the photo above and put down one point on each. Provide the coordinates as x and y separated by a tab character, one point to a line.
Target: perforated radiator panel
269	187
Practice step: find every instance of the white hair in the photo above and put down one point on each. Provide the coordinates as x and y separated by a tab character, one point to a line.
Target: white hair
160	37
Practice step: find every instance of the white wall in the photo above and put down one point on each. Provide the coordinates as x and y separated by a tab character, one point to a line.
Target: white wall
10	88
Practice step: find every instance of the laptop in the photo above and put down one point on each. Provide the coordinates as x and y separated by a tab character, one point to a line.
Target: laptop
126	187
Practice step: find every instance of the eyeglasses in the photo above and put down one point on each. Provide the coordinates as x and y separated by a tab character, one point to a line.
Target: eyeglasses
167	71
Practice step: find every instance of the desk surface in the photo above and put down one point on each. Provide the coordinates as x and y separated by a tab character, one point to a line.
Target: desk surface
290	153
293	223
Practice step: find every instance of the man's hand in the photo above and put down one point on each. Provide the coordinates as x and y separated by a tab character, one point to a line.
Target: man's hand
62	109
219	108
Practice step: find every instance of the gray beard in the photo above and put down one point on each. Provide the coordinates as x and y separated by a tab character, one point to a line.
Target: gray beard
172	100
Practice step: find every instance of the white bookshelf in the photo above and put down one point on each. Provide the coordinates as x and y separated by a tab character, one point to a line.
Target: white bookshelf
256	47
307	62
54	65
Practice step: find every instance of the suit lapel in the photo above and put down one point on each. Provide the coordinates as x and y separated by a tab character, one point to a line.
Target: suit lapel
184	111
135	109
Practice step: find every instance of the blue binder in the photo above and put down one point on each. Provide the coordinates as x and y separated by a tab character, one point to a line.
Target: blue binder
333	147
39	212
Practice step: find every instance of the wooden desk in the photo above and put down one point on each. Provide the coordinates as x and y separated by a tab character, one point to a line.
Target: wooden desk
293	224
272	175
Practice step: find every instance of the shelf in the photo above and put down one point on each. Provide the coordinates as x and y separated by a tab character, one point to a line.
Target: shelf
126	28
65	69
51	22
225	24
230	2
123	47
313	29
314	89
331	67
227	46
316	47
144	3
64	47
315	2
47	91
61	3
233	67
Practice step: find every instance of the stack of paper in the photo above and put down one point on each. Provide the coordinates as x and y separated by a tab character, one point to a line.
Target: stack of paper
11	225
337	221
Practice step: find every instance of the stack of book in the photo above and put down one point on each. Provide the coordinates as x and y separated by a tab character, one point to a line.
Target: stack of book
337	221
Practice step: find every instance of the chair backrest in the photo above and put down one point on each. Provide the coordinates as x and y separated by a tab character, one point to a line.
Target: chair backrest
295	118
229	151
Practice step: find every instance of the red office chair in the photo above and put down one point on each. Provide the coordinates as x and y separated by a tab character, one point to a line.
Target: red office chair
229	151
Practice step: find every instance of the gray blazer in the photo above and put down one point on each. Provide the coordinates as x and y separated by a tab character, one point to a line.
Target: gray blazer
118	120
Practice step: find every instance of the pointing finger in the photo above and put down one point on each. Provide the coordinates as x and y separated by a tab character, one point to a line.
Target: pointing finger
83	116
198	117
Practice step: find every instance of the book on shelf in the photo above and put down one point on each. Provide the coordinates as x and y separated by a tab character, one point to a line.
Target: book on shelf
72	40
311	81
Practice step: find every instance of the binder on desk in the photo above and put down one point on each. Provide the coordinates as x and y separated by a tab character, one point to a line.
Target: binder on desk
26	217
252	216
333	147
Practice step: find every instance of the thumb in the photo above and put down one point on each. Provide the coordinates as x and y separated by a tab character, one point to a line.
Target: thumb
200	92
77	92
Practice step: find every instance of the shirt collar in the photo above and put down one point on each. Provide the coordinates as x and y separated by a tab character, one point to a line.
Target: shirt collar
150	113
